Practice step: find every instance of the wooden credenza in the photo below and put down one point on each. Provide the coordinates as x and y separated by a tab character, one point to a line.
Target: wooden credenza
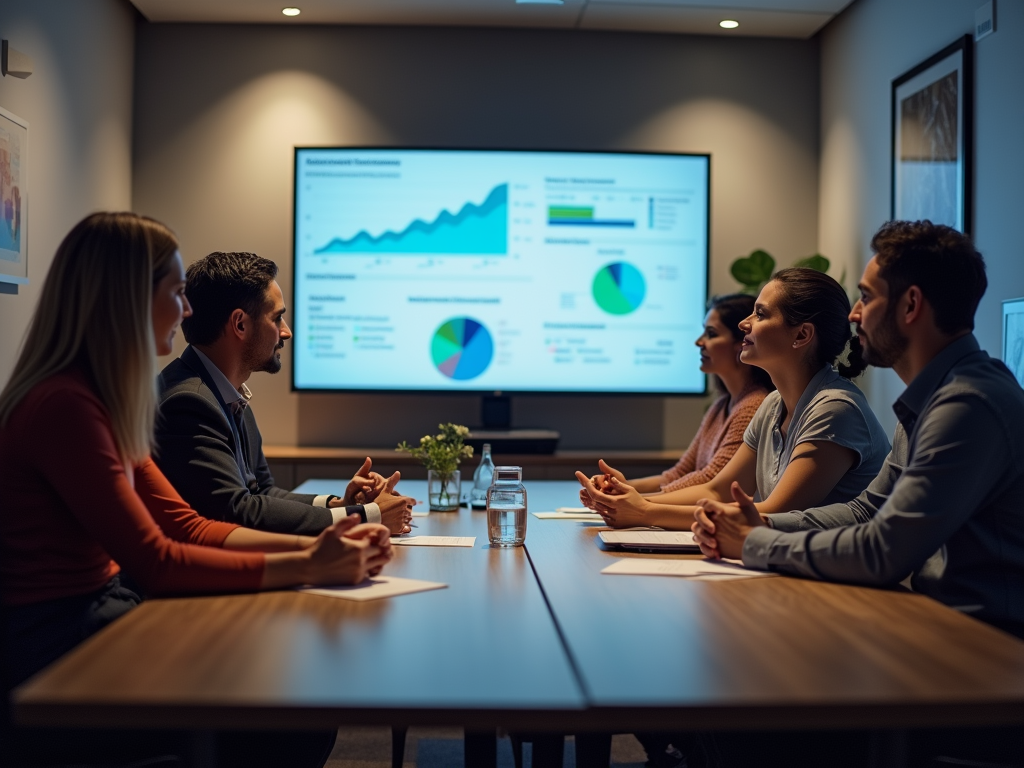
292	466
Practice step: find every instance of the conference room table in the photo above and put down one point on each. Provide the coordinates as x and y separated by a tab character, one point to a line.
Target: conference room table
537	638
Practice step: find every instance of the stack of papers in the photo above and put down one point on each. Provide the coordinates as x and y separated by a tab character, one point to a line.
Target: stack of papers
376	588
669	541
568	513
435	541
705	570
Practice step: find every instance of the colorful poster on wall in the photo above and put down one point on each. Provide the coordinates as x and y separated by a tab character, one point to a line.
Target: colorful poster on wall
13	198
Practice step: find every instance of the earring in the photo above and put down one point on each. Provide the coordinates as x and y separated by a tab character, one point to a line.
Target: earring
794	345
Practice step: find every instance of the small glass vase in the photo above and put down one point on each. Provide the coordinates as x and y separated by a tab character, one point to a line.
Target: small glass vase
443	490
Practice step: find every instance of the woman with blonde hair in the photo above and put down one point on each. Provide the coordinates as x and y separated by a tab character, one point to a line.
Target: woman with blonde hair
84	502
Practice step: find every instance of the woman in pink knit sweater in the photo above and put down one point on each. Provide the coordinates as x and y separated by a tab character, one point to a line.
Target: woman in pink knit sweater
743	387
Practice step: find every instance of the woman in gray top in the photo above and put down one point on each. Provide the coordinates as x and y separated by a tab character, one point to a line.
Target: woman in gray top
813	441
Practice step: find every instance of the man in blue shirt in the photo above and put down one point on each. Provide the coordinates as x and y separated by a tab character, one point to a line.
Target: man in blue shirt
946	509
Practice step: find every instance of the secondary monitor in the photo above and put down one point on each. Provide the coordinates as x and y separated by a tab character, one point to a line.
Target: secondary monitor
499	271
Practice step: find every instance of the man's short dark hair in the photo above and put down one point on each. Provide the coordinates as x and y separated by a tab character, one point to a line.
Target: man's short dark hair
940	261
220	283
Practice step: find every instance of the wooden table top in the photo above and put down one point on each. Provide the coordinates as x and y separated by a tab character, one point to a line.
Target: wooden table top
634	652
483	650
768	652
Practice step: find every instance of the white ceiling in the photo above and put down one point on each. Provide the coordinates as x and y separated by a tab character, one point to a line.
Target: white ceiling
760	18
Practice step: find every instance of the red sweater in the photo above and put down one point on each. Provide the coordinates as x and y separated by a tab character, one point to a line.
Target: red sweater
69	514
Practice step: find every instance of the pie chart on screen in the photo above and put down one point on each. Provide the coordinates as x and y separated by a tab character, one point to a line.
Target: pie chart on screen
619	288
462	348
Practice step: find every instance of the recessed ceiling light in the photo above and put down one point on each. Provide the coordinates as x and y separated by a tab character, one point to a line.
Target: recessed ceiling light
728	24
290	11
540	2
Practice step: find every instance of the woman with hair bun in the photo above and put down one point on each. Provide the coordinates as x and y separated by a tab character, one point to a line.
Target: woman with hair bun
813	441
741	389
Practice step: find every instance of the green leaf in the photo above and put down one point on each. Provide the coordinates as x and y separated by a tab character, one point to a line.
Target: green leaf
754	269
817	261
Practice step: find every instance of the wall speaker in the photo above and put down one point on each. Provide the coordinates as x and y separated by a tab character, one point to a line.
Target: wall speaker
14	63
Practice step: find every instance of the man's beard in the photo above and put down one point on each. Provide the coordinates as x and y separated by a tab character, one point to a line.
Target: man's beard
255	361
886	345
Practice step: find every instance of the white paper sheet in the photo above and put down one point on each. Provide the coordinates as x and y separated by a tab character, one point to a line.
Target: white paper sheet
376	588
566	516
699	569
575	510
435	541
650	539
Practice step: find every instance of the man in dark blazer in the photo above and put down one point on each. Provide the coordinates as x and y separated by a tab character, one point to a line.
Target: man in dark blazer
208	443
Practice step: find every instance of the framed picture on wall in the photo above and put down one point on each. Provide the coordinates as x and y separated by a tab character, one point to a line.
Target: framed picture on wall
13	199
932	107
1013	337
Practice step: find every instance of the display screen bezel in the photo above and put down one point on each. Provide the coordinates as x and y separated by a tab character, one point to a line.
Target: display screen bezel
488	391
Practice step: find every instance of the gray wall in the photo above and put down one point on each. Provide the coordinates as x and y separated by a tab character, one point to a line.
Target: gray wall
862	51
218	109
78	106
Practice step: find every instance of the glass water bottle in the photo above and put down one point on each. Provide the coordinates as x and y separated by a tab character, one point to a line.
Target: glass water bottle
482	479
506	508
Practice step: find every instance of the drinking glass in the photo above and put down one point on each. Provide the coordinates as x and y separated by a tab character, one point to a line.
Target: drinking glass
506	508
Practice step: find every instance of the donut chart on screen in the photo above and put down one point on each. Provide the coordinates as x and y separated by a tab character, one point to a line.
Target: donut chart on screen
462	348
619	288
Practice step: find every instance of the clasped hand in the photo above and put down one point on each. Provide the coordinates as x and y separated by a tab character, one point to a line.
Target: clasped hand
349	552
619	504
721	528
367	486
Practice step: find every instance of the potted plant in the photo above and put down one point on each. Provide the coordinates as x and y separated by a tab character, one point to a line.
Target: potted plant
753	271
441	454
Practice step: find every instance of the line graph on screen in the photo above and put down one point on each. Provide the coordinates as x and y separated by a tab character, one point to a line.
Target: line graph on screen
477	229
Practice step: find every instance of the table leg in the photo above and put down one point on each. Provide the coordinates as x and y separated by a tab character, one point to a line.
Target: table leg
548	750
481	749
593	750
398	734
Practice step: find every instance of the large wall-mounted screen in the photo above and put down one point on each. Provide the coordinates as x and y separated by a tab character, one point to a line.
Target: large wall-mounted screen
512	271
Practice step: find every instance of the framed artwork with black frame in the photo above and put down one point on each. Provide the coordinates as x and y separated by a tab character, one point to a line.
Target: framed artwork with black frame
932	108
